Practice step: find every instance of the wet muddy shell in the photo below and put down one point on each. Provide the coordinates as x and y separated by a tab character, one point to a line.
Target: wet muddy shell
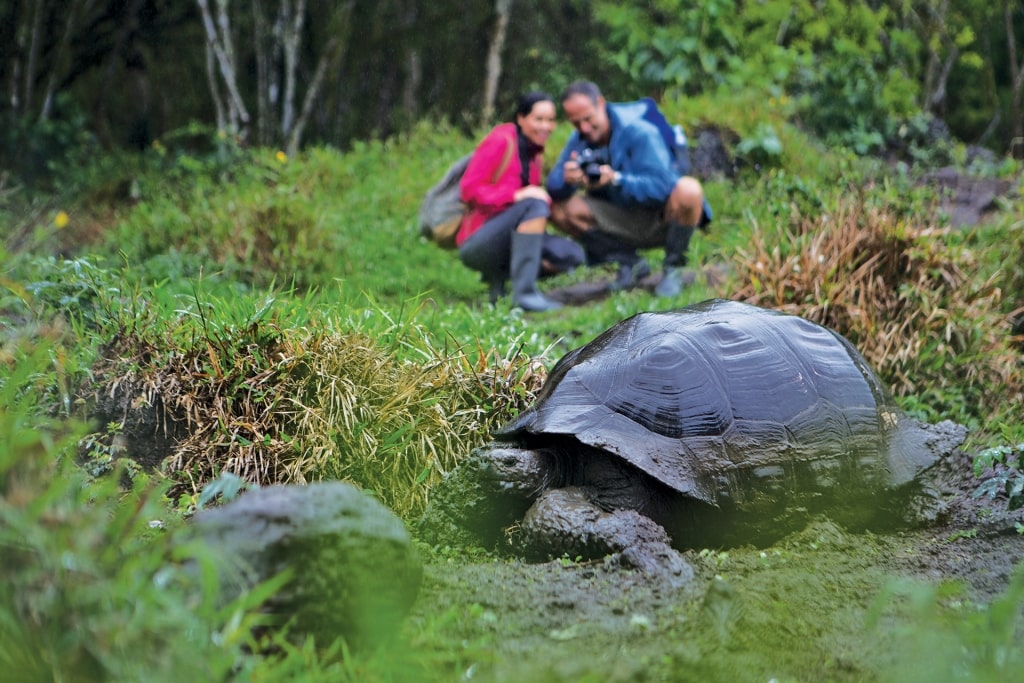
722	399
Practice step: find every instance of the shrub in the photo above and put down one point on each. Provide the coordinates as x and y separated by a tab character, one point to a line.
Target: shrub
894	287
92	586
223	389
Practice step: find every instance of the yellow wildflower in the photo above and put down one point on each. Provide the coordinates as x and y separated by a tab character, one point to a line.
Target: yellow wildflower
61	219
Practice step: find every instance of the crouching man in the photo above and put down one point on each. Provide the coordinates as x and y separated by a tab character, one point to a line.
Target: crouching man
617	187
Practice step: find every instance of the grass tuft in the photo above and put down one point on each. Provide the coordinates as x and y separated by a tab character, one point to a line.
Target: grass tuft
904	293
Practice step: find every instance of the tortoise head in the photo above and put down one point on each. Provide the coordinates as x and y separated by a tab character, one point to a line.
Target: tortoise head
519	470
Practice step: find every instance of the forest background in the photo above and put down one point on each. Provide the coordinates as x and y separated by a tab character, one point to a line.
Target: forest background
102	74
207	211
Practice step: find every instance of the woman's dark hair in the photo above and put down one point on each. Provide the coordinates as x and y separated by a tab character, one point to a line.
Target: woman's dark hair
528	100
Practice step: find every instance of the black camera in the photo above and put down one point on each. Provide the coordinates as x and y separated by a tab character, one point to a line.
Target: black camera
591	161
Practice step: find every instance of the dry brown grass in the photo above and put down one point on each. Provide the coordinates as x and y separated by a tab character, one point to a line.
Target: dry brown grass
276	406
898	292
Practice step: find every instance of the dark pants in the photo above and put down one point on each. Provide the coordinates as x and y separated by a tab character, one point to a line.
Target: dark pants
488	251
618	232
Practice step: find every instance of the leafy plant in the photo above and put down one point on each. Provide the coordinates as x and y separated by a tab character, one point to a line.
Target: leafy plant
93	585
963	641
1003	470
763	148
896	289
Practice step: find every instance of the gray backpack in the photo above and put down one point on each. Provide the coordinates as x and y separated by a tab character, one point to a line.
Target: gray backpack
442	209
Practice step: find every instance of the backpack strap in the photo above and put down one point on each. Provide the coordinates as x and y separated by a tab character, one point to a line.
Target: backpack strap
505	161
673	136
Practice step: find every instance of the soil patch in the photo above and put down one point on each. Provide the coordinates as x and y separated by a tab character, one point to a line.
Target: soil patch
966	199
821	604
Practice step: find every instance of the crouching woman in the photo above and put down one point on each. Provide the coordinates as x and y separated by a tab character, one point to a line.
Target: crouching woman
504	233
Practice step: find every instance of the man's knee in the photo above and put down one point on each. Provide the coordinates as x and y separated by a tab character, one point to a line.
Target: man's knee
686	201
572	216
559	214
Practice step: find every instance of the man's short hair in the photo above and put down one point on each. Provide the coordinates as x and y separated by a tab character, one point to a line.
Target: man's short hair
585	88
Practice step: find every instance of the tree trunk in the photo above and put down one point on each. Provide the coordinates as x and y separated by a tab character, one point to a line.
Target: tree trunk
220	42
939	68
292	20
503	9
261	57
1016	84
220	111
34	45
330	60
58	68
327	58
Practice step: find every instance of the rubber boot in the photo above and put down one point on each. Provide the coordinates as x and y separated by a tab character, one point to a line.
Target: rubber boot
677	241
604	248
630	274
496	289
525	266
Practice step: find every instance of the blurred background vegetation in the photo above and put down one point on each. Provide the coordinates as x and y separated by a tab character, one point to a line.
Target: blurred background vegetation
209	262
89	75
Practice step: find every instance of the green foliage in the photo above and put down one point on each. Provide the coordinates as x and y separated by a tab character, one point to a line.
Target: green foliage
1002	467
383	365
761	149
36	151
829	56
673	44
92	586
948	638
97	584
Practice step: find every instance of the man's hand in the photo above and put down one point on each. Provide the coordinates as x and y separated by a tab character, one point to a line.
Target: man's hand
574	175
607	178
572	172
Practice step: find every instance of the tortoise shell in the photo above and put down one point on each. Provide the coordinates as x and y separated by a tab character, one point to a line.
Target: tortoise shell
714	399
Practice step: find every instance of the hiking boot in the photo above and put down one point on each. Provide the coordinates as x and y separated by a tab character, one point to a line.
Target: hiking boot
629	276
671	283
496	290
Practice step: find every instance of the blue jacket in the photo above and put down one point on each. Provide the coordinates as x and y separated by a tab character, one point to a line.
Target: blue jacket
637	151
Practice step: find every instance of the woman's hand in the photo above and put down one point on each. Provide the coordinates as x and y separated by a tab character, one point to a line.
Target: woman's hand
532	192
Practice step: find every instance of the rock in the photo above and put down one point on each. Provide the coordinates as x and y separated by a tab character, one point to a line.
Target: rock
709	153
355	571
966	198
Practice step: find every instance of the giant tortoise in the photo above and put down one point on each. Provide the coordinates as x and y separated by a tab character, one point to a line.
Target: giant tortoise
715	424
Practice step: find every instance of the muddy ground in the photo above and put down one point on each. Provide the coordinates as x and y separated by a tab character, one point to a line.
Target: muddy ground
823	604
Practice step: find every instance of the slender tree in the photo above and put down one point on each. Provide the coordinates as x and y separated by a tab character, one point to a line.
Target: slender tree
502	12
221	51
1016	81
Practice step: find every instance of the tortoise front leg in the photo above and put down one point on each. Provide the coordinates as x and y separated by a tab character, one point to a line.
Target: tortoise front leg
566	522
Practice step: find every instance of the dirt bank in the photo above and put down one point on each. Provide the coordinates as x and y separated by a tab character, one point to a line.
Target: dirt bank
821	605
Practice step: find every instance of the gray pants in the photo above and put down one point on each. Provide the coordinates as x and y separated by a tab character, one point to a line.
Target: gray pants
618	232
642	227
488	250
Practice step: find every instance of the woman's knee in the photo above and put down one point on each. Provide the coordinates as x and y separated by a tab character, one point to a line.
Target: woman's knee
533	208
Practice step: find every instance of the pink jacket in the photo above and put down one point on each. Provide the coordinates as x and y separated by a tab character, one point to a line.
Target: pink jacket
485	194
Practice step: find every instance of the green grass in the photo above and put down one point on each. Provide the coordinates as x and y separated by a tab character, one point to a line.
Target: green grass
300	290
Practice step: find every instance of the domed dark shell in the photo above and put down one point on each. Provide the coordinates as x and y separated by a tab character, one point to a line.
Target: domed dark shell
720	398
